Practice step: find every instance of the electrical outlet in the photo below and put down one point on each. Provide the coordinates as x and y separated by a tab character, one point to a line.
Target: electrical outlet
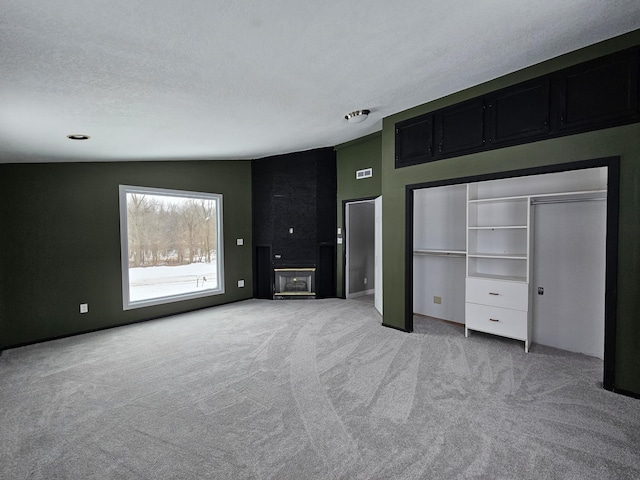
437	300
540	290
239	241
84	308
240	283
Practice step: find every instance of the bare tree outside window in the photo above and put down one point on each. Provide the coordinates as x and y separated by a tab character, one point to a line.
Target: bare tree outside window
171	245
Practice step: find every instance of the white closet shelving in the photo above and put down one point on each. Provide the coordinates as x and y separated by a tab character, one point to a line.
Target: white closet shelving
497	289
473	250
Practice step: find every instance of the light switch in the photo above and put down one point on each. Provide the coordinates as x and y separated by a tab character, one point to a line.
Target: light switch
239	241
339	240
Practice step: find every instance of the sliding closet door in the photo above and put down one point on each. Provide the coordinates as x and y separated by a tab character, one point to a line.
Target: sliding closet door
569	265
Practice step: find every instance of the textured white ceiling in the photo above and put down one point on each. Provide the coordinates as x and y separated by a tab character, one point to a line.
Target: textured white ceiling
205	79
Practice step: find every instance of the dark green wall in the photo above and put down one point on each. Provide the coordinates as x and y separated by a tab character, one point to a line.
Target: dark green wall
362	153
61	242
621	141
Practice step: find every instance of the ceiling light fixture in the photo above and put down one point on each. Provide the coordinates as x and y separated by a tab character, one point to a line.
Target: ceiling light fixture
357	116
78	136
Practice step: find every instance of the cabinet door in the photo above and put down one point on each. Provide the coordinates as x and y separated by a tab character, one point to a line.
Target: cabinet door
520	112
599	93
460	128
414	141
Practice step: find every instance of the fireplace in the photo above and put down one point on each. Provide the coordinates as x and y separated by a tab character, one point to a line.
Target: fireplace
294	283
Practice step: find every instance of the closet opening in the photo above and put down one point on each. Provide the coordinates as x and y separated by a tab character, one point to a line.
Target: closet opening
547	235
362	229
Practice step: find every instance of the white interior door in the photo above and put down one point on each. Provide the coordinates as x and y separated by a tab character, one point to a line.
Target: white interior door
377	293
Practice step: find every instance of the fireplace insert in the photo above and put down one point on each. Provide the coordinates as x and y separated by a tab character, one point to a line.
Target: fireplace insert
294	283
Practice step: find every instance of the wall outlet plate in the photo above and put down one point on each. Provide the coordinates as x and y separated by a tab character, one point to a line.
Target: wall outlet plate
239	241
240	283
84	308
437	300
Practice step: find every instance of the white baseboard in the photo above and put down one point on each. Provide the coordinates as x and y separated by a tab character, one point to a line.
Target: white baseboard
361	294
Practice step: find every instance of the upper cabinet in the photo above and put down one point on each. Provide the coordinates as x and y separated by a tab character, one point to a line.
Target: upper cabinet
520	112
598	94
460	128
414	141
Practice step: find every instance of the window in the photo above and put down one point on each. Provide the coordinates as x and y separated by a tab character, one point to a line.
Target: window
171	244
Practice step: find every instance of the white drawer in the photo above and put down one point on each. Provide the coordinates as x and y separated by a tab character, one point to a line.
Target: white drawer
498	321
512	295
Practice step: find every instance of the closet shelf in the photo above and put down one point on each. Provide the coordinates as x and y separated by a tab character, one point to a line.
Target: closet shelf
549	197
440	253
500	227
508	256
519	198
506	278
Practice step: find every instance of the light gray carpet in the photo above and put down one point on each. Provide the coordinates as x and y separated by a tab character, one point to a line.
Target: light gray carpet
307	390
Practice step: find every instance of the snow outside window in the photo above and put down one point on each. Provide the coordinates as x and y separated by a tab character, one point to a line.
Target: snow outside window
171	244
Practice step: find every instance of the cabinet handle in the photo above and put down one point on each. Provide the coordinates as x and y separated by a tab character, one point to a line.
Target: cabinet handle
493	320
493	293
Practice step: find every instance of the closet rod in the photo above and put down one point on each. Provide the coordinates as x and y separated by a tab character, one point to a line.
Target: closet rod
543	201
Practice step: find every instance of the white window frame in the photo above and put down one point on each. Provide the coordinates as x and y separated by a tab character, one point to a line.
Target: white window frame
124	246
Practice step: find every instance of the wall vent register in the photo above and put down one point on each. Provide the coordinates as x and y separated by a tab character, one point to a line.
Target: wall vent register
364	173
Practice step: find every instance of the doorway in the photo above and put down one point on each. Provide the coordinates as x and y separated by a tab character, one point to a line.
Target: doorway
363	250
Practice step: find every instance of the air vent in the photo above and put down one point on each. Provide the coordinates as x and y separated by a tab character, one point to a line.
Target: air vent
365	173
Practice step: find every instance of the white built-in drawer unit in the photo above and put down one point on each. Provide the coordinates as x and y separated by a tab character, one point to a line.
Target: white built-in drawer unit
496	320
514	295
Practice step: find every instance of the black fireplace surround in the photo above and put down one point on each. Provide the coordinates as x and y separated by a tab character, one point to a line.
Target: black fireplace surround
294	222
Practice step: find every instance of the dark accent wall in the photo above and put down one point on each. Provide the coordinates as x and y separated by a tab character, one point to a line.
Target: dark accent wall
60	242
296	191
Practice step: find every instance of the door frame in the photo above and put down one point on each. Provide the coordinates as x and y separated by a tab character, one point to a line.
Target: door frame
611	253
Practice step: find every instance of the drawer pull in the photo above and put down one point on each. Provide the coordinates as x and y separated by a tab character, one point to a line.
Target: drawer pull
493	293
493	320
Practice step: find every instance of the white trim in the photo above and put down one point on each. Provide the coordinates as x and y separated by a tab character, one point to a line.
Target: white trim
364	293
124	246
